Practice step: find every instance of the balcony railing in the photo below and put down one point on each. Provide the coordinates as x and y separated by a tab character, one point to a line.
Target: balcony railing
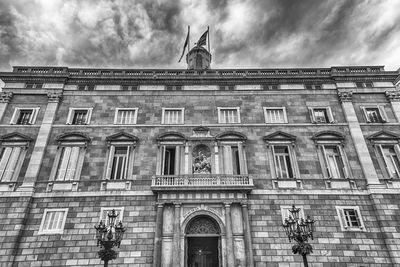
201	182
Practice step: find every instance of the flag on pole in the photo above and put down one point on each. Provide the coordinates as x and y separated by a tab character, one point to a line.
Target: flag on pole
203	38
186	44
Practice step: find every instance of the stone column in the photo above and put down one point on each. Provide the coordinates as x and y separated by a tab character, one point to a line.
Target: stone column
216	157
177	231
358	138
5	98
247	236
394	98
229	236
32	171
158	236
167	235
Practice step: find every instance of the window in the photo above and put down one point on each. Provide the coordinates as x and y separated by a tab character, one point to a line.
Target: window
104	211
228	115
12	154
275	115
170	156
231	153
79	116
313	86
321	115
350	218
86	87
34	85
173	115
130	87
70	155
53	221
174	87
120	156
387	150
125	116
24	116
226	87
333	159
286	213
169	160
282	156
270	87
364	84
375	114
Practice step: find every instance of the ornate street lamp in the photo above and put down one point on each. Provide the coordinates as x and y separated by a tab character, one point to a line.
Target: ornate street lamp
109	236
299	230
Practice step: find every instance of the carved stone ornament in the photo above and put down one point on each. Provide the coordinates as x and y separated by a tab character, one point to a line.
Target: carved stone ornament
201	159
202	225
393	96
54	97
345	96
5	97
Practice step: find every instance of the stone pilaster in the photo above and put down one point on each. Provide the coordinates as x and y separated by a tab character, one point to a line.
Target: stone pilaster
158	236
229	236
176	238
358	138
5	98
167	236
247	235
32	171
394	98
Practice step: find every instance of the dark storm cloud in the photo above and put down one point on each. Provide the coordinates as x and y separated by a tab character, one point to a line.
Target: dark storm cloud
244	33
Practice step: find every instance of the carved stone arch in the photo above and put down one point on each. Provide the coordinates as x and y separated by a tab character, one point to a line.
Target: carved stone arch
231	136
73	137
171	136
328	135
203	213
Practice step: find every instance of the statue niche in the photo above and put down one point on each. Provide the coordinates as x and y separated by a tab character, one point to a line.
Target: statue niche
201	159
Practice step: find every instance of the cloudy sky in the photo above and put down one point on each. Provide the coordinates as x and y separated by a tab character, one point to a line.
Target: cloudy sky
243	33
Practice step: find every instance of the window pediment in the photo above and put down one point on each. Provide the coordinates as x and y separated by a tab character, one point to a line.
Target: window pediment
231	136
328	136
383	136
15	137
73	137
279	136
171	136
122	137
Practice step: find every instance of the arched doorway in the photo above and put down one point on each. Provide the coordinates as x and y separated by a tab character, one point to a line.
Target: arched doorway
203	242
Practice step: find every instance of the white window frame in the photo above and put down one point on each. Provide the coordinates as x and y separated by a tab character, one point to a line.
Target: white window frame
285	212
292	155
342	220
17	112
266	114
179	152
382	161
182	112
72	112
381	110
133	119
118	210
226	162
128	164
60	230
328	111
13	159
220	117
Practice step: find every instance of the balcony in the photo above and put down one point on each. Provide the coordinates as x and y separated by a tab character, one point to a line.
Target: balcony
202	182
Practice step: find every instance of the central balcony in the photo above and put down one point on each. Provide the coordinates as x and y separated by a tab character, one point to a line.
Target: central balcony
201	182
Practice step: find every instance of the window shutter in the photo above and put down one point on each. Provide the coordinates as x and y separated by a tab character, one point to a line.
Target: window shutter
70	115
12	163
15	116
64	164
365	114
126	167
110	162
72	162
343	158
322	159
284	115
116	116
80	163
275	162
383	113
311	111
326	162
4	160
89	115
384	160
177	159
293	161
330	115
56	163
35	112
342	218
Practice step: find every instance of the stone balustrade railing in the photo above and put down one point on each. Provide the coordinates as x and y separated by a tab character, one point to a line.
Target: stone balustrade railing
201	182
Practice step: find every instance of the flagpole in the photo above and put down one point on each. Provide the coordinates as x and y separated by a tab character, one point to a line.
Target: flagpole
208	35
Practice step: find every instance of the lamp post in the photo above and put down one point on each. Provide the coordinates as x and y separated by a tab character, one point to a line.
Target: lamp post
299	230
108	236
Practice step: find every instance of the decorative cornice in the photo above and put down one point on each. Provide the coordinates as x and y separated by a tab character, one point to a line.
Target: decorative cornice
345	96
5	97
54	97
393	96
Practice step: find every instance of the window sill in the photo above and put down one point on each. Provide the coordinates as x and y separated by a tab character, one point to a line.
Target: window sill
107	185
290	183
340	183
62	186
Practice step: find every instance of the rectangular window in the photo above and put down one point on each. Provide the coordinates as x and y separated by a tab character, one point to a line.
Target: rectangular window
79	116
118	211
334	162
173	116
68	163
375	114
125	116
283	164
169	161
321	115
120	163
364	84
235	160
350	218
228	115
10	157
53	221
275	115
24	116
34	85
390	159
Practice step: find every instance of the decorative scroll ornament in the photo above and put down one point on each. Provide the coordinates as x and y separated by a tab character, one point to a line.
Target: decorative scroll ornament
393	96
201	159
54	97
203	225
345	96
5	97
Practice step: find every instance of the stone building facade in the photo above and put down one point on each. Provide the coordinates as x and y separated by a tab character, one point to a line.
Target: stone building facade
201	165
